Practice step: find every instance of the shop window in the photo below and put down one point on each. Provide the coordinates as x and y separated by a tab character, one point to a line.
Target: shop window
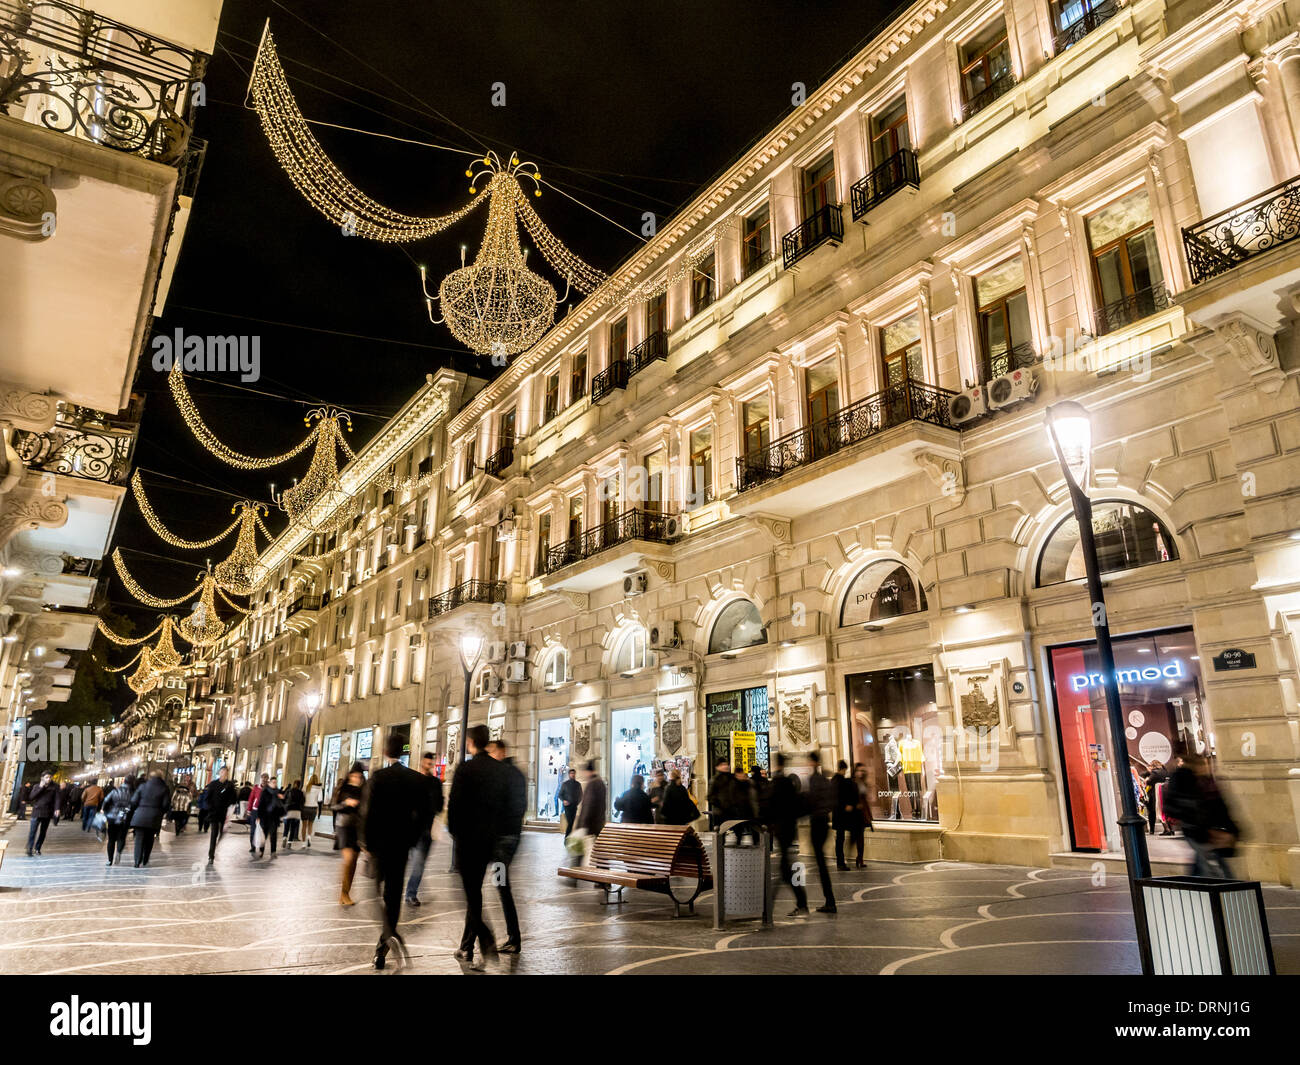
745	711
1002	311
884	589
900	346
756	241
898	737
633	653
632	748
556	671
1127	275
552	767
738	625
1127	536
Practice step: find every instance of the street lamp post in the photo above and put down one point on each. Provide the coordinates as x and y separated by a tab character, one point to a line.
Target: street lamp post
239	728
471	649
310	704
1070	430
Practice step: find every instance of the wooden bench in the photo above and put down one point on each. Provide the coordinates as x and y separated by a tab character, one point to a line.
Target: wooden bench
645	857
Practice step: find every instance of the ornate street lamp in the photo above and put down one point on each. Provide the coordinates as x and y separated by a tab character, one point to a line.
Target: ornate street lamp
239	724
471	650
1069	428
310	704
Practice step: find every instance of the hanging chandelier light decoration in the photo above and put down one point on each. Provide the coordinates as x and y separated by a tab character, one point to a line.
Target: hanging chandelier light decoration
203	626
146	677
237	573
318	503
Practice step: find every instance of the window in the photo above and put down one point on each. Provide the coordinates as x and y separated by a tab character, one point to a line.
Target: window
1072	20
632	653
470	447
394	681
1003	319
397	597
1127	536
823	382
376	662
756	241
757	425
738	625
494	557
654	481
483	683
578	377
575	518
656	314
819	185
701	444
543	541
506	429
901	351
703	289
882	589
556	671
609	499
889	132
1125	262
985	62
458	572
618	341
551	397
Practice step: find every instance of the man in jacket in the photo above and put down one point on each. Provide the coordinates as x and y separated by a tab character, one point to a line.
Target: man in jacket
785	809
46	804
635	805
595	802
719	793
397	809
270	808
218	797
1193	798
148	806
508	833
844	819
91	800
821	805
420	852
570	799
658	785
475	810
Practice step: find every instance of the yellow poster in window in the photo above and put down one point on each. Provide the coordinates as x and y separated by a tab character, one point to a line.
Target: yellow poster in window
744	751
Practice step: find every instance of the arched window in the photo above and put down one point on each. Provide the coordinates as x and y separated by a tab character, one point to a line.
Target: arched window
632	652
1127	536
738	625
884	589
556	670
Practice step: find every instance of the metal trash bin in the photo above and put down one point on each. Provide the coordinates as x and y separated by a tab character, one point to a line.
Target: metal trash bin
1199	926
742	876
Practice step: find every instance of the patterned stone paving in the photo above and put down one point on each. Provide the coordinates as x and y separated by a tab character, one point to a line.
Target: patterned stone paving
66	912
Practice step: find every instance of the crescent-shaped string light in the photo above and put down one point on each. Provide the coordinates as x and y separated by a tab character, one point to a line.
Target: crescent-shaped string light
123	641
137	592
165	534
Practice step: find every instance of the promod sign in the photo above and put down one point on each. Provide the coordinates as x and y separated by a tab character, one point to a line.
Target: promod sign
1172	670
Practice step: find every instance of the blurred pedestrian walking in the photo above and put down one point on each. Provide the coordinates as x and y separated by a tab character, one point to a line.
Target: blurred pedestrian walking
420	852
1193	798
46	799
149	804
821	805
217	799
570	800
785	810
181	807
117	818
314	796
508	835
658	785
635	805
475	811
397	809
347	819
91	800
678	808
269	810
294	800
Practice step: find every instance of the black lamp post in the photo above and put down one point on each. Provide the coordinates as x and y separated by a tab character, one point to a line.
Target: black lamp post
471	650
1070	430
238	725
310	704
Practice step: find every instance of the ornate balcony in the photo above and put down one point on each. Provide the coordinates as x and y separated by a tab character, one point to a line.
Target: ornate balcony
474	591
308	603
616	375
220	740
1018	357
500	460
865	445
612	377
824	226
1132	308
899	171
996	89
633	524
1078	30
1218	243
82	443
76	72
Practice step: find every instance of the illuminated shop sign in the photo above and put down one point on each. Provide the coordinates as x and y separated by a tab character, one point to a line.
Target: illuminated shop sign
1170	671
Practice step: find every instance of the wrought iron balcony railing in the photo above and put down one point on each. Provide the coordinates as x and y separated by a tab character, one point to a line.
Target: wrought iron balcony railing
305	602
500	460
899	403
76	72
653	348
1132	308
1018	357
612	377
995	89
82	443
1080	28
1218	243
474	591
898	171
214	739
633	524
755	263
825	225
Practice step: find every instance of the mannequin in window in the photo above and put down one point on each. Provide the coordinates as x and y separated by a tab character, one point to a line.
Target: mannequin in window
893	767
913	758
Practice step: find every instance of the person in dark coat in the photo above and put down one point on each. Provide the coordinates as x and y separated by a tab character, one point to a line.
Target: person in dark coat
508	834
24	797
117	814
845	818
595	802
570	799
1193	798
420	852
475	811
862	820
46	800
218	797
761	788
719	793
785	809
635	805
149	805
678	808
396	812
270	809
822	794
1155	775
346	806
658	785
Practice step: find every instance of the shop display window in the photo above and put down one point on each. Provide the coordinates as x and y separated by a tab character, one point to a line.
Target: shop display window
883	589
746	710
632	748
552	767
898	737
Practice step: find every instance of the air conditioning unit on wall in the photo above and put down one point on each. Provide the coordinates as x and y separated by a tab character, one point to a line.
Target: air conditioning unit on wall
968	405
665	636
1012	388
496	651
516	672
519	649
635	583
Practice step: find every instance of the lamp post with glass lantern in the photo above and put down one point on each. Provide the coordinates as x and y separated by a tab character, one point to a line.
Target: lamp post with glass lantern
310	704
471	650
1069	428
238	725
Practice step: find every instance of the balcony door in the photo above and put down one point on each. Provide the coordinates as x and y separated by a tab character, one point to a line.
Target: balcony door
902	366
889	132
819	185
1003	319
1126	262
823	403
758	434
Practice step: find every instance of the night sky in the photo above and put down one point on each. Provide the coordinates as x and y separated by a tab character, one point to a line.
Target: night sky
629	107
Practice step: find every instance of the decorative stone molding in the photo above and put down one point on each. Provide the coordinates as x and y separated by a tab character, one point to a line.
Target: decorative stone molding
664	569
945	472
777	528
577	600
25	508
582	736
1256	351
795	713
26	205
42	565
22	409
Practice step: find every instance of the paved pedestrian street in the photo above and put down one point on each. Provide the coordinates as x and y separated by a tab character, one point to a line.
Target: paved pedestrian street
66	912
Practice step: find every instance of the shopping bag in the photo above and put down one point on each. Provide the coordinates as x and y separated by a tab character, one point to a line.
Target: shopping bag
99	821
257	838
